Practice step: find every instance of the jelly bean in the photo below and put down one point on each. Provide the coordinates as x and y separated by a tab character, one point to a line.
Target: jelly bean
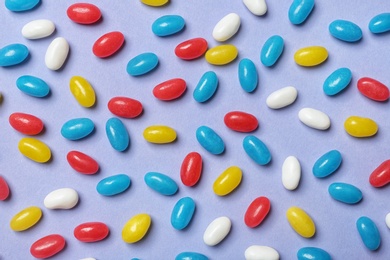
168	25
21	5
64	198
91	232
381	175
191	169
216	231
13	54
170	89
206	87
108	44
82	91
47	246
125	107
38	29
346	31
32	86
191	49
113	185
4	189
26	218
191	256
155	3
83	13
327	164
373	89
291	173
301	222
25	123
257	211
227	181
256	150
222	54
161	183
182	213
282	97
310	56
77	128
387	220
82	162
34	149
117	134
227	27
57	53
357	126
314	118
240	121
159	134
256	7
337	81
300	10
256	252
271	50
380	23
210	140
136	228
345	192
247	75
369	233
142	64
313	253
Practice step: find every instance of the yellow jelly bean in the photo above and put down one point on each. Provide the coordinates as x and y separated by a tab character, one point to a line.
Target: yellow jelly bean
311	56
301	222
222	54
159	134
26	218
155	2
228	181
82	91
360	126
34	149
136	228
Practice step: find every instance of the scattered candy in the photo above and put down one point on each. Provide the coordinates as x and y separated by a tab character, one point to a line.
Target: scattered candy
33	86
222	54
117	134
64	198
312	253
247	75
38	29
161	183
91	232
380	23
271	50
13	54
216	231
210	140
227	27
256	7
345	31
82	91
108	44
291	173
387	220
282	97
136	228
159	134
170	89
57	53
310	56
301	222
373	89
300	10
256	252
327	164
191	256
256	150
142	64
182	213
191	49
26	218
191	169
314	118
77	128
113	185
47	246
84	13
155	3
167	25
257	211
337	81
34	149
241	121
82	162
227	181
26	124
206	87
4	189
381	175
357	126
21	5
345	192
125	107
369	233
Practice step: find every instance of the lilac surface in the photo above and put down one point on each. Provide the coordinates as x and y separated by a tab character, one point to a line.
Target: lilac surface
280	130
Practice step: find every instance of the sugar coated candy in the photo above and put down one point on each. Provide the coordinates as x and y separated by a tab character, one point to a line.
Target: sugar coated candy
125	107
313	253
170	89
38	29
108	44
210	140
358	126
241	121
282	97
327	164
380	23
191	256
82	91
227	27
4	189
314	118
247	75
142	64
337	81
34	149
291	173
13	54
373	89
257	211
182	213
301	222
256	7
311	56
26	123
159	134
77	128
33	86
168	25
57	53
345	192
369	233
216	231
91	231
300	10
117	134
84	13
272	50
257	150
161	183
26	218
21	5
191	49
82	162
64	198
222	54
136	228
206	87
155	3
47	246
191	169
257	252
113	185
381	175
227	181
346	31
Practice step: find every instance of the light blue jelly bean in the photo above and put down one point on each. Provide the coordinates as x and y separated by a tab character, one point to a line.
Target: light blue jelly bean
337	81
182	213
256	150
271	51
300	10
161	183
313	253
380	23
345	192
117	134
206	87
21	5
32	86
210	140
113	185
345	31
13	54
327	164
167	25
369	233
247	75
191	256
142	64
77	128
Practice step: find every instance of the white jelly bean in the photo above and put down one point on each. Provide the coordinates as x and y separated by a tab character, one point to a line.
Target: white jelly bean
388	220
256	7
282	97
226	27
65	198
291	173
38	29
56	53
256	252
216	231
314	118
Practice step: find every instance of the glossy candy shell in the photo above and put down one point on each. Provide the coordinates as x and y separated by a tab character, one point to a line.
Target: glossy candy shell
136	228
191	49
217	231
257	211
108	44
64	198
327	164
82	162
380	23
34	149
227	181
83	13
301	222
345	31
57	53
159	134
256	7
300	10
314	118
337	81
142	64
313	253
113	185
222	54
4	189
311	56
282	97
191	169
21	5
117	134
206	87
256	150
77	128
47	246
227	27
38	29
13	54
182	213
369	233
272	50
32	86
155	3
256	252
381	175
247	75
241	121
91	232
345	192
161	183
357	126
170	89
291	173
125	107
168	25
191	256
82	91
26	218
210	140
373	89
26	124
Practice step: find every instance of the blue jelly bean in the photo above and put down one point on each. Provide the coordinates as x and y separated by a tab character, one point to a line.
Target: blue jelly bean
21	5
161	183
380	23
271	51
182	213
369	233
210	140
345	192
300	10
206	87
77	128
167	25
327	164
191	256
13	54
337	81
32	86
117	134
313	253
113	185
256	150
345	31
142	64
247	75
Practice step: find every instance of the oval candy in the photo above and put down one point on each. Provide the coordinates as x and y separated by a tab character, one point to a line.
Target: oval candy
310	56
47	246
168	25
327	164
282	97
83	13
256	7
26	124
346	31
301	222
314	118
313	253
91	232
154	3
257	211
206	87
34	149
136	228
117	134
77	128
191	169
56	53
191	49
125	107
82	162
142	64
13	54
113	185
227	27
216	231
345	193
381	175
369	233
26	218
227	181
300	10
170	89
222	54
373	89
33	86
210	140
191	256
38	29
182	213
257	252
291	173
256	150
4	189
21	5
108	44
247	75
159	134
82	91
241	121
337	81
387	220
272	50
64	198
380	23
357	126
161	183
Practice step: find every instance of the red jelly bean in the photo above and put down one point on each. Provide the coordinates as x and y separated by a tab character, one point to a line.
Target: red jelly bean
108	44
4	189
91	232
373	89
82	163
241	121
84	13
47	246
191	49
125	107
191	169
257	211
26	124
381	175
170	89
